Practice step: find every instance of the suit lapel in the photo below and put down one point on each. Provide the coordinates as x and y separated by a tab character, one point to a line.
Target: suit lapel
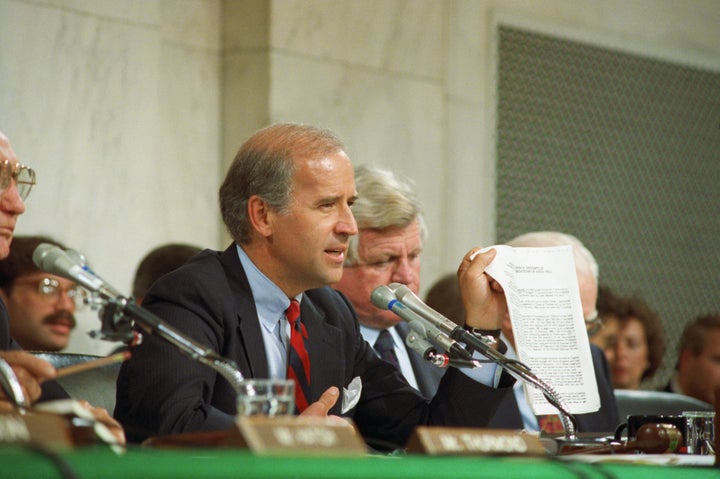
254	362
323	339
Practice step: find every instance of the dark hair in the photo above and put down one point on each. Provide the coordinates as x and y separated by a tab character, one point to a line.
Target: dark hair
444	297
264	167
625	308
160	261
19	262
695	333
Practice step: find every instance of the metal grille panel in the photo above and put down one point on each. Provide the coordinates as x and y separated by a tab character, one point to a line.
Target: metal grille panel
623	151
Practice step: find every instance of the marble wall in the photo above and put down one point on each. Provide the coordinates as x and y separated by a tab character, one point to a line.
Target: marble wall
116	105
131	110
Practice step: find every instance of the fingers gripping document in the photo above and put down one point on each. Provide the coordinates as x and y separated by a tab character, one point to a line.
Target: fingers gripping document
543	300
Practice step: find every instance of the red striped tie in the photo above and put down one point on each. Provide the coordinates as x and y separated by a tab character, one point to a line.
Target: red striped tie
299	360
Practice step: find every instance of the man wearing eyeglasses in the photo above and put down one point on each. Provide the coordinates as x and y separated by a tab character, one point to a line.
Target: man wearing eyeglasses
16	181
41	305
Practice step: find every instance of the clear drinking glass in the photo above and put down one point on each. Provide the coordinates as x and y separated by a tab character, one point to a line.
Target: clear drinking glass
267	397
700	432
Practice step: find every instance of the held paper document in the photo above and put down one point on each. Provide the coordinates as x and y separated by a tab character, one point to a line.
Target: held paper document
546	314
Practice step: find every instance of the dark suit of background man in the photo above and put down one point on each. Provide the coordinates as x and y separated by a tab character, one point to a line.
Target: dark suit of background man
286	201
391	232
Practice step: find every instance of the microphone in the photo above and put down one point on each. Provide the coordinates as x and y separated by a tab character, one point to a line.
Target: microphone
410	299
454	331
53	259
384	298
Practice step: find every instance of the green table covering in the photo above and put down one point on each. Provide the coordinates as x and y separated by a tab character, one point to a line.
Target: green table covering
103	463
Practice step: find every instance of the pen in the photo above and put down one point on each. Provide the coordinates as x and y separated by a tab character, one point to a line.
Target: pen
95	363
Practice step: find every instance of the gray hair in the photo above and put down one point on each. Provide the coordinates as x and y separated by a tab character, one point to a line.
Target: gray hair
584	260
385	199
264	166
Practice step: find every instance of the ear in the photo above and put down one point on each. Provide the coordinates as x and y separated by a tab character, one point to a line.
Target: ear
260	216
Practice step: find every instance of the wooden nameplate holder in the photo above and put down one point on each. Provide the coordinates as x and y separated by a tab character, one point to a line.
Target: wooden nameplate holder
453	441
46	429
289	435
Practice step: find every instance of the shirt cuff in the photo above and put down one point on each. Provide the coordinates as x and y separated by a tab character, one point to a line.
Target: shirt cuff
487	374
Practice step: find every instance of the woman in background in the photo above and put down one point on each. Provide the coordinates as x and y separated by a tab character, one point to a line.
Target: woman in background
632	338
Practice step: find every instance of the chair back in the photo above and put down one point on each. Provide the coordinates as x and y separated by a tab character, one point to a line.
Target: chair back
638	402
96	386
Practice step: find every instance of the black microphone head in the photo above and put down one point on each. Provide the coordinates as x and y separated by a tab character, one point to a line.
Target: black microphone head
382	296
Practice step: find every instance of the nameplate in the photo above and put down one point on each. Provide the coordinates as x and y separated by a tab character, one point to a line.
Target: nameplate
41	428
298	435
446	441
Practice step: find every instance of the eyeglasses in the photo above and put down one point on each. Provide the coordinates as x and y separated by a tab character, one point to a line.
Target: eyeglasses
50	290
24	177
593	323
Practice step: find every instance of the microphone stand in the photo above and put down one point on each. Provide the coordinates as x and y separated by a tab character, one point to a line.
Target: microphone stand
522	372
401	292
117	308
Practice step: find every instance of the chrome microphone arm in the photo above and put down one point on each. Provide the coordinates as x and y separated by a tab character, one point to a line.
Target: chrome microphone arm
514	367
153	324
55	260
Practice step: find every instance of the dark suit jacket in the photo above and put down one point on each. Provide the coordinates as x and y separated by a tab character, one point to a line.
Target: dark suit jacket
606	419
160	391
427	375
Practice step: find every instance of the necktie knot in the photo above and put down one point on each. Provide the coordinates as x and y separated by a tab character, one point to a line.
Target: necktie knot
293	312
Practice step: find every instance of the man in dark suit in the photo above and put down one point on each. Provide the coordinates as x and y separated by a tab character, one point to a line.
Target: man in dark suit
286	201
391	232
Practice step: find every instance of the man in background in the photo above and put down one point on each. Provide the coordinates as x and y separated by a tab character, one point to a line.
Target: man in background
516	414
387	248
16	181
41	305
697	373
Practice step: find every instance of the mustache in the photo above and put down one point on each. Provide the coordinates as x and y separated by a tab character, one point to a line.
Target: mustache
61	316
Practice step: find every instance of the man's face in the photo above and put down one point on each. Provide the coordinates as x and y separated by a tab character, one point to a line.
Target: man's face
308	244
391	255
699	375
11	206
40	321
